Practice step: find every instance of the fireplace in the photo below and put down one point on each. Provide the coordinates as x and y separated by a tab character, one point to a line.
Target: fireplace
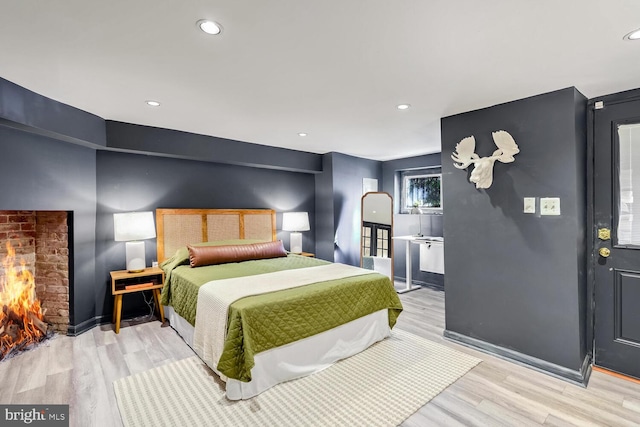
39	241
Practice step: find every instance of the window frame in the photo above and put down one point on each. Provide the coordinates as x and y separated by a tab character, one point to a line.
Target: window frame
419	173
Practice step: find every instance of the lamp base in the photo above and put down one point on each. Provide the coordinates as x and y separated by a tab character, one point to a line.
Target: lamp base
295	243
135	256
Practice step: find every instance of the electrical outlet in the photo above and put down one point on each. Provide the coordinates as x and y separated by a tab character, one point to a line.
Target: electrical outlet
529	205
549	206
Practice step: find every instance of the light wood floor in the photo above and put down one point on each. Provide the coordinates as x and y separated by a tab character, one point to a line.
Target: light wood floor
80	371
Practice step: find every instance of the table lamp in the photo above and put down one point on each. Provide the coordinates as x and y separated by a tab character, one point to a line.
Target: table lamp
133	227
295	222
417	211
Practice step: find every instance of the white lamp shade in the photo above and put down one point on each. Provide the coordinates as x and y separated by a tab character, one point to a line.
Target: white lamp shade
295	221
130	226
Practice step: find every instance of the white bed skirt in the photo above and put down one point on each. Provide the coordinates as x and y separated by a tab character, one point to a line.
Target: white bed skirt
299	358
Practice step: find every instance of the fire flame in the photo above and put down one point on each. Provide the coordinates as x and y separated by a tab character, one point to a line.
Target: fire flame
21	309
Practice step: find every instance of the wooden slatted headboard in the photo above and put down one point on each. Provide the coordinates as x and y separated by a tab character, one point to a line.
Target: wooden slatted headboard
180	227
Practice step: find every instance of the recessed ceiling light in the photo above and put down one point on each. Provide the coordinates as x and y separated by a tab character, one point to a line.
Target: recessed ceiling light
302	134
209	27
153	103
633	35
403	106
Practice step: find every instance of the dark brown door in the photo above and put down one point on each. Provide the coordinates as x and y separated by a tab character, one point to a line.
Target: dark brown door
617	257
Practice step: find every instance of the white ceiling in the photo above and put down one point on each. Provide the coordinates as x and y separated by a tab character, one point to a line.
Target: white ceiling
334	69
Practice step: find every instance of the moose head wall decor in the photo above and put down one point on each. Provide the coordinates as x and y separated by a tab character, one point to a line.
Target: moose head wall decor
482	173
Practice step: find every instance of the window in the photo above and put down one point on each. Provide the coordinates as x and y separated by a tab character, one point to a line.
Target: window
376	239
421	188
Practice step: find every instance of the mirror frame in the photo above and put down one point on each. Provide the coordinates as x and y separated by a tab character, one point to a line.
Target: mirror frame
391	254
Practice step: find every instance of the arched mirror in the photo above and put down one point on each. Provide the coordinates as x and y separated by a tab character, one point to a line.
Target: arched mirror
376	249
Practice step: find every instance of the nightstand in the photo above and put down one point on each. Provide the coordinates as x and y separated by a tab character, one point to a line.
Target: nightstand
124	282
309	254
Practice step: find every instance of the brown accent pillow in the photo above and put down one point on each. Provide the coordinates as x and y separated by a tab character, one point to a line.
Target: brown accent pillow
211	255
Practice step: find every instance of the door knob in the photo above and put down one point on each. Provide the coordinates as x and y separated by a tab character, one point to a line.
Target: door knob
604	252
604	234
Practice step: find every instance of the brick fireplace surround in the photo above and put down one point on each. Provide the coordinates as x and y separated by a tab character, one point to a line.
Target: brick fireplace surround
41	238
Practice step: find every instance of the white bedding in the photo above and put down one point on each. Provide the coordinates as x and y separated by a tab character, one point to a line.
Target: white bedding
215	298
300	358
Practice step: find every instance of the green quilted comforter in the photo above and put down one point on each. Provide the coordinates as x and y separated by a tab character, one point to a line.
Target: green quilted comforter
258	323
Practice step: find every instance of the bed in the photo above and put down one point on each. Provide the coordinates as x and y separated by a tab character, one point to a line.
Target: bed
266	316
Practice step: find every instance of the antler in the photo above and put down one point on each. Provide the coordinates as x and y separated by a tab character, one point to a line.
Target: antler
465	153
507	147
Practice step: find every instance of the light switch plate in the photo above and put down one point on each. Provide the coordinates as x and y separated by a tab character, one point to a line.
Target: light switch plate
549	206
529	205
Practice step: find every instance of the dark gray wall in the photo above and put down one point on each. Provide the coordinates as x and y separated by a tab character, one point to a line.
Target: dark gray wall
324	225
38	173
515	280
339	191
26	110
185	145
348	172
133	182
405	224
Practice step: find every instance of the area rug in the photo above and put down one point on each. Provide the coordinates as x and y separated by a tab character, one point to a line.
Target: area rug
382	386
